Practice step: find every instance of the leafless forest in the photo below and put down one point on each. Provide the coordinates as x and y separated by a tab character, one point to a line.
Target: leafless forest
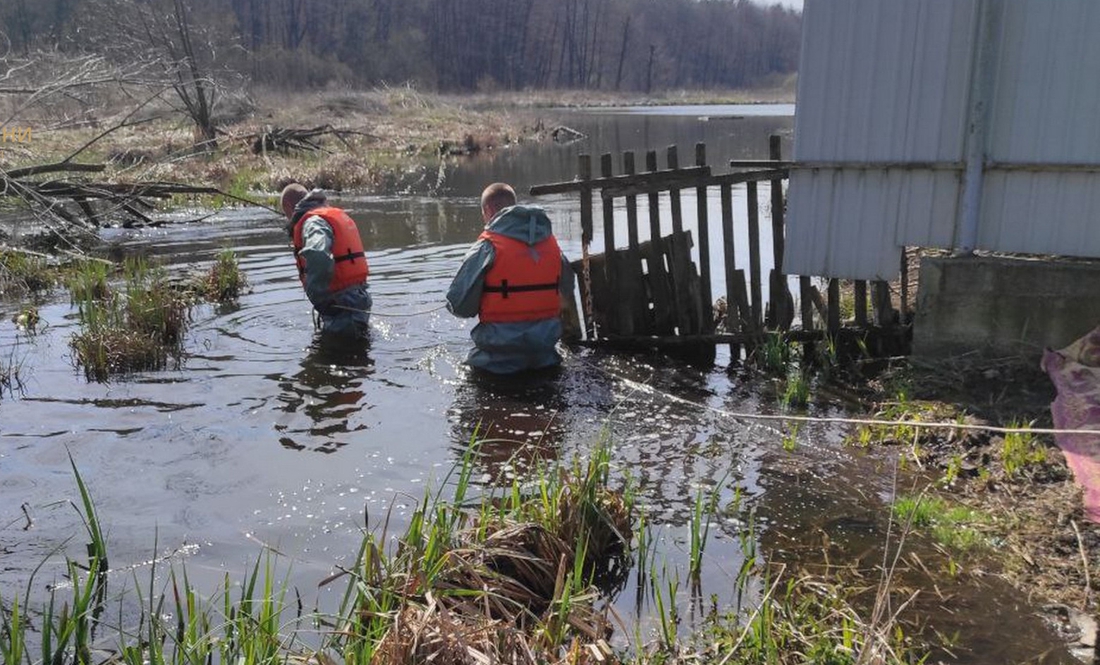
447	45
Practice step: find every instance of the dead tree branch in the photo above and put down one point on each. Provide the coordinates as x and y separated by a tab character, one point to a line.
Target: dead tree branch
280	139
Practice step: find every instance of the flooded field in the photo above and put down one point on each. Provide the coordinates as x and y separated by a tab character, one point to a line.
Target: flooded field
263	436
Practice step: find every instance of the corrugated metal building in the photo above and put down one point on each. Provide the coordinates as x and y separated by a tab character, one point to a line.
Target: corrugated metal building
971	124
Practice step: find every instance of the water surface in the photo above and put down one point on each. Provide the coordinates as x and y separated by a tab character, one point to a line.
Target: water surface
264	436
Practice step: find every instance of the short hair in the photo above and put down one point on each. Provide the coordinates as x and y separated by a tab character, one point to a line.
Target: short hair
498	196
291	195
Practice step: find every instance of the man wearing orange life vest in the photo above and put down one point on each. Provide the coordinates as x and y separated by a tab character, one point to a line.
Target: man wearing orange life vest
513	280
331	262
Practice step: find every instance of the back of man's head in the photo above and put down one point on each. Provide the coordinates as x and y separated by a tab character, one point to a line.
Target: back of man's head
290	197
496	197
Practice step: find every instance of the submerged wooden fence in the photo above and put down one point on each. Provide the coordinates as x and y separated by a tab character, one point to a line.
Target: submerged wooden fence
652	294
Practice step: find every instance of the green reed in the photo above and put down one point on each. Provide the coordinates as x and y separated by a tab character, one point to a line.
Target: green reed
135	326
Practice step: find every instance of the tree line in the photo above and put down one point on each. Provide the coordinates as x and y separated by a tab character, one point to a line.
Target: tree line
450	45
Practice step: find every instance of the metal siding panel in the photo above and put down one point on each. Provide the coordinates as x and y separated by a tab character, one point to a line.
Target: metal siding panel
1041	213
802	254
889	79
927	206
819	243
879	80
1043	108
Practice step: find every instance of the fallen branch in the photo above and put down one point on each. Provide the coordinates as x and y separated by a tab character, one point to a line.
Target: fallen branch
87	204
281	139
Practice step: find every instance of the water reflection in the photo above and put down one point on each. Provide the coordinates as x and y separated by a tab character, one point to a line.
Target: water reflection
517	418
329	390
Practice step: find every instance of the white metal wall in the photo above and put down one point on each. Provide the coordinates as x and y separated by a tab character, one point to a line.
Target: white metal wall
881	127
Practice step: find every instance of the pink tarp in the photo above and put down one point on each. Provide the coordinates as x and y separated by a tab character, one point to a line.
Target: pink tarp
1075	372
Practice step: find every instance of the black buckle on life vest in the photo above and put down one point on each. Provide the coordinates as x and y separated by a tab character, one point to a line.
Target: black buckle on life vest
504	289
350	256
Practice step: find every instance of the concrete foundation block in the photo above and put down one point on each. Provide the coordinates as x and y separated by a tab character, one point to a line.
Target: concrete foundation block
1003	306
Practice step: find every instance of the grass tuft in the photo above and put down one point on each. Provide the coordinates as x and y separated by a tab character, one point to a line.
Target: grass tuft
1021	450
518	574
953	526
225	282
136	326
25	274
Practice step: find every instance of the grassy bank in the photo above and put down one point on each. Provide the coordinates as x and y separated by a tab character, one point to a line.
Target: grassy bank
520	574
388	138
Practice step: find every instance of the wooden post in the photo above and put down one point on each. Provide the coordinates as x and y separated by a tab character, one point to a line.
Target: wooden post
833	308
608	214
754	254
732	314
614	313
704	234
631	204
904	286
654	201
805	297
778	291
883	306
584	170
662	320
860	289
673	158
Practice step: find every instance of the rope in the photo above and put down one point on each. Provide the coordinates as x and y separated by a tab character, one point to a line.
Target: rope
391	314
846	421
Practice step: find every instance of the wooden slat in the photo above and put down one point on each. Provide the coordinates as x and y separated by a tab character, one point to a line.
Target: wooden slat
584	169
631	302
654	200
818	303
754	254
904	295
608	211
704	237
673	163
660	287
631	204
833	309
805	301
732	320
883	306
741	301
760	163
639	179
860	290
598	295
737	311
682	179
619	319
777	285
685	283
657	275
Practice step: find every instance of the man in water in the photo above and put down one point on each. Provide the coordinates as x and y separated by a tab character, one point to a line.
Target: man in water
514	280
331	262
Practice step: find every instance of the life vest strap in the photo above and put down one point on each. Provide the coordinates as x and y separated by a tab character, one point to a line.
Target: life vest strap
504	289
350	256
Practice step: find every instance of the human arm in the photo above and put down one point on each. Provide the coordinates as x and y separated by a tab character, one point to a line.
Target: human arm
316	252
464	295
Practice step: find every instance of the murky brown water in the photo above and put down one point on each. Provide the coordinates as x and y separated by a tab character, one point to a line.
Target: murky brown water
261	436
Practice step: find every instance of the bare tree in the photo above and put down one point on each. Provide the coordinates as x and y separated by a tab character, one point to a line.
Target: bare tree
194	85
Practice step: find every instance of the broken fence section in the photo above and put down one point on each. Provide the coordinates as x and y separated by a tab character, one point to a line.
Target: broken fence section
654	294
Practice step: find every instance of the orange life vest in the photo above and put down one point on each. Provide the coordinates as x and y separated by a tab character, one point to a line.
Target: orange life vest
350	266
522	283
